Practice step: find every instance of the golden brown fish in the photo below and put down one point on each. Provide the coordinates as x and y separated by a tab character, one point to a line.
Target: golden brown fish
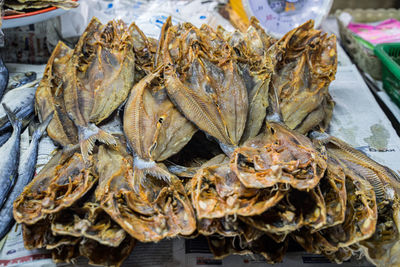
307	63
279	155
87	219
256	63
149	210
64	180
216	192
101	73
202	79
383	246
49	97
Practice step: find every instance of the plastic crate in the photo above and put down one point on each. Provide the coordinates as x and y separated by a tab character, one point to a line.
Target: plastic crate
389	54
362	56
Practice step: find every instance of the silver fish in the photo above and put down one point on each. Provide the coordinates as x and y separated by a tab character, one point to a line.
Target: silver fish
20	80
3	78
26	170
4	137
20	101
9	154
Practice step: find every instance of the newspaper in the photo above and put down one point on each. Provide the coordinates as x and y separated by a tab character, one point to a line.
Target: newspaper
357	119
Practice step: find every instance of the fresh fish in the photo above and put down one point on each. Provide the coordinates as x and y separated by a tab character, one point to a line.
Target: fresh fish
3	78
20	101
4	137
9	154
26	170
26	78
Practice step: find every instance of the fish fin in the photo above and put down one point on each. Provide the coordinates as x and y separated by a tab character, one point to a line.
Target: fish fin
12	117
151	168
37	134
88	137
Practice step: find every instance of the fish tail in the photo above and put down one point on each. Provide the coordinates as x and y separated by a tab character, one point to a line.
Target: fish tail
88	137
12	117
37	134
151	168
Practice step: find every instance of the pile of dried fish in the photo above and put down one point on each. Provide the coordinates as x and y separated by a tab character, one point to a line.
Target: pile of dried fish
16	6
212	141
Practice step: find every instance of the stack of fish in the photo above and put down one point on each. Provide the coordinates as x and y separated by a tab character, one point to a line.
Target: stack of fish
221	135
20	5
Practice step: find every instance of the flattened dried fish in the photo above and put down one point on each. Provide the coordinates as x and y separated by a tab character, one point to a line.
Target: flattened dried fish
203	80
307	64
256	64
49	97
153	126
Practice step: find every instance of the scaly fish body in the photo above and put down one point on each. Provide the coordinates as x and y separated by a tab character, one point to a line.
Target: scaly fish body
4	137
20	101
26	170
3	78
20	81
9	154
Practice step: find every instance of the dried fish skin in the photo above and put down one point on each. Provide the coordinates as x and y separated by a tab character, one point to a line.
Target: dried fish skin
279	155
149	210
49	97
111	72
106	256
202	79
155	129
80	82
272	251
63	181
255	64
216	192
306	66
296	209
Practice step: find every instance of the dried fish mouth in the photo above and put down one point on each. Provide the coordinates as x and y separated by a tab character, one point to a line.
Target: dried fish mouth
278	155
216	192
64	180
149	210
87	219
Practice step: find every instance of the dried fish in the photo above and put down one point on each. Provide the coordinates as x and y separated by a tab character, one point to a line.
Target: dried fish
306	66
49	97
149	210
279	155
29	4
202	79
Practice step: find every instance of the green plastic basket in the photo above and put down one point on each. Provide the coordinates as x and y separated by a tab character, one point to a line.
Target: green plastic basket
389	54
